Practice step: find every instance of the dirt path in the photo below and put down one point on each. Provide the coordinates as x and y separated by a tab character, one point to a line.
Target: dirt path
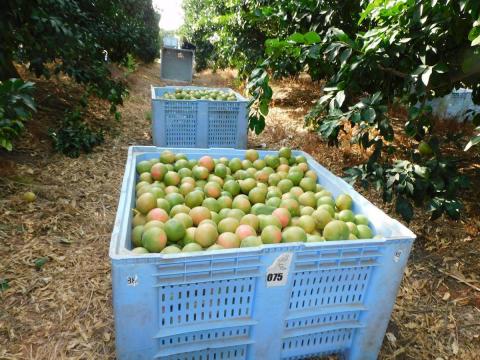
63	310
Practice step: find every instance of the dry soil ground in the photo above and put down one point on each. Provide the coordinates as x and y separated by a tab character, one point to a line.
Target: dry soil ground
64	311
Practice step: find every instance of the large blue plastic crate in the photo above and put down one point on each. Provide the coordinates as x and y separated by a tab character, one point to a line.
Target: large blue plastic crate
198	123
338	297
176	64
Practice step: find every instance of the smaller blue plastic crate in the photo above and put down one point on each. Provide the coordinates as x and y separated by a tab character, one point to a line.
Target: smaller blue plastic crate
176	64
337	297
198	123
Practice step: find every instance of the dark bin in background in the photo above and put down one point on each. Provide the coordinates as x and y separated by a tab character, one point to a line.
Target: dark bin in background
176	64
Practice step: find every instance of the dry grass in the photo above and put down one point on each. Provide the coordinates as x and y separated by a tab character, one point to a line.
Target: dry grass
63	310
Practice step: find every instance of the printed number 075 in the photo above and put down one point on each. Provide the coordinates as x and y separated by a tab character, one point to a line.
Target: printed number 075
275	277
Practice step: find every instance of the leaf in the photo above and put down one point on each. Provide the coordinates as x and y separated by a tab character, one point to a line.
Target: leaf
329	128
263	107
426	75
4	285
404	208
453	207
476	41
345	55
40	262
311	37
441	68
369	115
340	98
474	141
297	38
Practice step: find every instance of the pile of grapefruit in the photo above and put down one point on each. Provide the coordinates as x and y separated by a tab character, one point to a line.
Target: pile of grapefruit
183	94
187	205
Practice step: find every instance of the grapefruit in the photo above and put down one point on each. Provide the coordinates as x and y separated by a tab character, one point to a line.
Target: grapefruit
336	230
271	235
364	232
139	250
244	231
206	235
235	164
283	215
242	202
139	219
143	166
307	199
207	162
146	177
212	189
308	184
361	219
192	247
343	202
285	152
199	213
154	239
228	240
236	213
175	230
251	241
307	223
224	202
251	220
153	223
285	185
171	178
232	186
322	218
211	204
167	157
157	214
266	220
251	155
221	170
346	216
171	249
294	234
185	219
200	172
178	209
228	225
145	203
257	195
137	235
314	238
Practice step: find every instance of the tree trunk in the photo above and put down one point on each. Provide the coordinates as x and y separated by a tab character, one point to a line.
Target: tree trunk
7	69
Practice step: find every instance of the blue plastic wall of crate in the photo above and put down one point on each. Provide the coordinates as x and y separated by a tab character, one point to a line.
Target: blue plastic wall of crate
198	123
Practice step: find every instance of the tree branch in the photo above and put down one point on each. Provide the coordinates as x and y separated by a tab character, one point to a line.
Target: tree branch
393	71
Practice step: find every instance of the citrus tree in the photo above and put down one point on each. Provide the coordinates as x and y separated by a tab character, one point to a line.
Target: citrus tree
73	37
373	54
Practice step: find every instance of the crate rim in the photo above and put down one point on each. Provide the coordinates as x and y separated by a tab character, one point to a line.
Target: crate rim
178	49
116	253
240	98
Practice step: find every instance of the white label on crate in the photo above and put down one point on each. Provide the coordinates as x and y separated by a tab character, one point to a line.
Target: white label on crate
277	273
397	255
132	280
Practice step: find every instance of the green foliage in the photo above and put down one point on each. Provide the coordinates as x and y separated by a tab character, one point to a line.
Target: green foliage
148	116
70	36
4	284
74	136
435	182
130	64
16	107
371	54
